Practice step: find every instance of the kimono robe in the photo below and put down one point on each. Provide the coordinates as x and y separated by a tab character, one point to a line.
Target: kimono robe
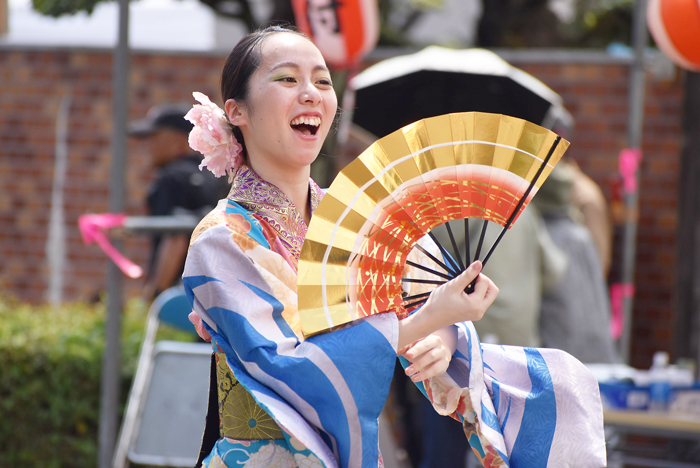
520	407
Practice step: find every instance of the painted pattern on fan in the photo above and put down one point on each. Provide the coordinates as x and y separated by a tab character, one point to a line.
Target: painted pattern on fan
465	165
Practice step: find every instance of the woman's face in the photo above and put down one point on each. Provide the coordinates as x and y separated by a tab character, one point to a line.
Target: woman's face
290	106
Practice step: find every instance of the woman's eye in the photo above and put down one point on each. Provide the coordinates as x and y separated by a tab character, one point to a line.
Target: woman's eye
325	82
287	79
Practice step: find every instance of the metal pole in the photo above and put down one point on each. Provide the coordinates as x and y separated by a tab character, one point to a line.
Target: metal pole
109	402
4	17
635	121
56	244
687	297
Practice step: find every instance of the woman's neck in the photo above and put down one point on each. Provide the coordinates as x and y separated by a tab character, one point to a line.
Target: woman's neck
294	184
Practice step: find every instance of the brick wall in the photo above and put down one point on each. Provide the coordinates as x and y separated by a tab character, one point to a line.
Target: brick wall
33	81
597	97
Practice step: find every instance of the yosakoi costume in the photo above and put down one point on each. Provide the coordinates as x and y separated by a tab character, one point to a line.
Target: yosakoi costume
287	401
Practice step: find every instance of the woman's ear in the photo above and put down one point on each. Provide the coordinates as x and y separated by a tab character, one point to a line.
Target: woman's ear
236	113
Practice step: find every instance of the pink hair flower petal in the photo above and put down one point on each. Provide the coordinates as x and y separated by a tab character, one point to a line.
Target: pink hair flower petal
213	137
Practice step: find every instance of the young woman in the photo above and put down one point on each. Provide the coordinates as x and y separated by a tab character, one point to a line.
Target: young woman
282	400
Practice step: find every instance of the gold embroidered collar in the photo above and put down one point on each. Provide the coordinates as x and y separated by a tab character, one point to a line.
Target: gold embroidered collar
267	201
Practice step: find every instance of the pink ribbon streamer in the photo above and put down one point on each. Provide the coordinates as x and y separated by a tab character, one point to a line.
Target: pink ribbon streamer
618	292
629	160
91	228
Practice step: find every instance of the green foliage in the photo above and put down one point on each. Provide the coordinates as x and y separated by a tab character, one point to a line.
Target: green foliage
236	9
396	17
57	8
427	3
50	364
599	23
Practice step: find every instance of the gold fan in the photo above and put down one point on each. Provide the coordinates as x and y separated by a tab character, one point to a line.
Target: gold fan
465	165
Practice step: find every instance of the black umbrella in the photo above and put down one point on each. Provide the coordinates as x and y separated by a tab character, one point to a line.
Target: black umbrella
436	81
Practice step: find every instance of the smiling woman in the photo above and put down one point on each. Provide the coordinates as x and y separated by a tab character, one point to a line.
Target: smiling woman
279	398
284	113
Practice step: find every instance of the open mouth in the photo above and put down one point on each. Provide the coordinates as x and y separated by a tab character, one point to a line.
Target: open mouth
306	125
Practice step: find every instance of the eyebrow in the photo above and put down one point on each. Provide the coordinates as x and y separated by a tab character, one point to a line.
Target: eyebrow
294	65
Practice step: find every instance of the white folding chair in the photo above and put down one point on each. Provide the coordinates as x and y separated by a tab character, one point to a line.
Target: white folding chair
167	404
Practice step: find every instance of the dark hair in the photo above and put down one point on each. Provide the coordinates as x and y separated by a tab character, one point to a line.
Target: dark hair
240	65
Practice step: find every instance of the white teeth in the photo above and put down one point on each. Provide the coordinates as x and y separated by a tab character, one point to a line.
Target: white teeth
314	121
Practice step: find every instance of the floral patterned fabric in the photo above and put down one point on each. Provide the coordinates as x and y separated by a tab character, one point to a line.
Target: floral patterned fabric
261	454
240	416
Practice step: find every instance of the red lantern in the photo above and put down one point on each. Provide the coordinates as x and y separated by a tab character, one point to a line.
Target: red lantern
675	26
343	30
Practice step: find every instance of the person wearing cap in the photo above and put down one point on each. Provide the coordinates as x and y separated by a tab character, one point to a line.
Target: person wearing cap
179	187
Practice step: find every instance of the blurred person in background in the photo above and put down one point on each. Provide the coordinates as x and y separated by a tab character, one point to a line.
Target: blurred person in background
575	314
586	198
589	200
179	187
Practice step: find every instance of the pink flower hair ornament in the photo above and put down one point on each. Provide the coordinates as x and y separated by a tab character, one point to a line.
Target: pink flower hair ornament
213	137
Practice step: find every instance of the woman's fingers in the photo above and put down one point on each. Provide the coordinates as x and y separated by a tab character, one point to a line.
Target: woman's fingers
481	286
449	304
467	276
485	292
420	359
491	292
415	350
429	357
434	368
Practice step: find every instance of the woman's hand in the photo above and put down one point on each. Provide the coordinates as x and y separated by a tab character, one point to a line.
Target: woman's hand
449	304
430	356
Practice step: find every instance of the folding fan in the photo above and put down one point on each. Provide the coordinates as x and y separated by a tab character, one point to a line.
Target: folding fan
456	166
